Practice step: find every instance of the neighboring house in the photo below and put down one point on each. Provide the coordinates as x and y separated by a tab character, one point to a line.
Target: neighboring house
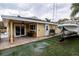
2	28
18	26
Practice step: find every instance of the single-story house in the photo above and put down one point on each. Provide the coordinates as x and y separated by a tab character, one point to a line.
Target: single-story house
18	26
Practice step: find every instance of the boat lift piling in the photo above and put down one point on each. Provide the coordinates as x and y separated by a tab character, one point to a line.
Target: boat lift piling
65	35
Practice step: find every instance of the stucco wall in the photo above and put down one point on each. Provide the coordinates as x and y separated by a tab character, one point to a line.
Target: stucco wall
40	30
52	26
57	30
27	27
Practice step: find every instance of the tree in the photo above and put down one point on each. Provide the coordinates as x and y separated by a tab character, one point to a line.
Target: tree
75	9
48	20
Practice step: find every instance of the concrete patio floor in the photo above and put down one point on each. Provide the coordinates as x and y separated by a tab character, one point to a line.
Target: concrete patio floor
4	44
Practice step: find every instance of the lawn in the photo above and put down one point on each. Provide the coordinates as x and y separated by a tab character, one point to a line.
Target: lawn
48	47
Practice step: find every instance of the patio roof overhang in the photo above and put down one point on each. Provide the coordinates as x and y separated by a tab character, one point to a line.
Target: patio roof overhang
24	19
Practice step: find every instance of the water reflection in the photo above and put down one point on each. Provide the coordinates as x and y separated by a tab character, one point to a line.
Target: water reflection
29	49
39	47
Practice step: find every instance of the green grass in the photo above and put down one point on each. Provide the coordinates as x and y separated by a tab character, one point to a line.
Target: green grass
52	47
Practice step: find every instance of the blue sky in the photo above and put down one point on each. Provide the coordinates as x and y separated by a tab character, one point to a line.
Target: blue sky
40	10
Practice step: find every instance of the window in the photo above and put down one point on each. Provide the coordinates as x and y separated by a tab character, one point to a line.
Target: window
32	27
46	27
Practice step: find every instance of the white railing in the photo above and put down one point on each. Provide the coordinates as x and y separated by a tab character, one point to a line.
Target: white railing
70	22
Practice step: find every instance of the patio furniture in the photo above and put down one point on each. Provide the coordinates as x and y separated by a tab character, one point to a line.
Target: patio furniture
52	32
31	34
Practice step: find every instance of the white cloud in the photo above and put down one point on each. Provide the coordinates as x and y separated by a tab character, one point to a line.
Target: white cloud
15	12
26	13
47	15
8	12
23	5
63	12
39	10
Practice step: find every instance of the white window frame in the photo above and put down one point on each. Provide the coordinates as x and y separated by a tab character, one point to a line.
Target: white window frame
20	29
32	29
46	31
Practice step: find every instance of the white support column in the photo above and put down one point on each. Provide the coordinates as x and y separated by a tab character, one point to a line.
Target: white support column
36	30
11	32
8	30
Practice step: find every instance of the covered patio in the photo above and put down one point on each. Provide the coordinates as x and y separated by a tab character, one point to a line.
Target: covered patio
4	44
18	30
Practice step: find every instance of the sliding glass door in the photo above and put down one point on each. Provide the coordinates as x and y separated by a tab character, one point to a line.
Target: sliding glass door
22	30
17	28
19	31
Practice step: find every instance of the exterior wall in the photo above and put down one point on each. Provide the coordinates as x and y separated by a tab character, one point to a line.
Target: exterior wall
27	27
52	26
40	30
57	30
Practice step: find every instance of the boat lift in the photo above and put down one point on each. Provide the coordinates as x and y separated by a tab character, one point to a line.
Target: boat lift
65	33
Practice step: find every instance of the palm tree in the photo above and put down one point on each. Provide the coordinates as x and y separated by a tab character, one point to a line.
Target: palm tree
75	9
